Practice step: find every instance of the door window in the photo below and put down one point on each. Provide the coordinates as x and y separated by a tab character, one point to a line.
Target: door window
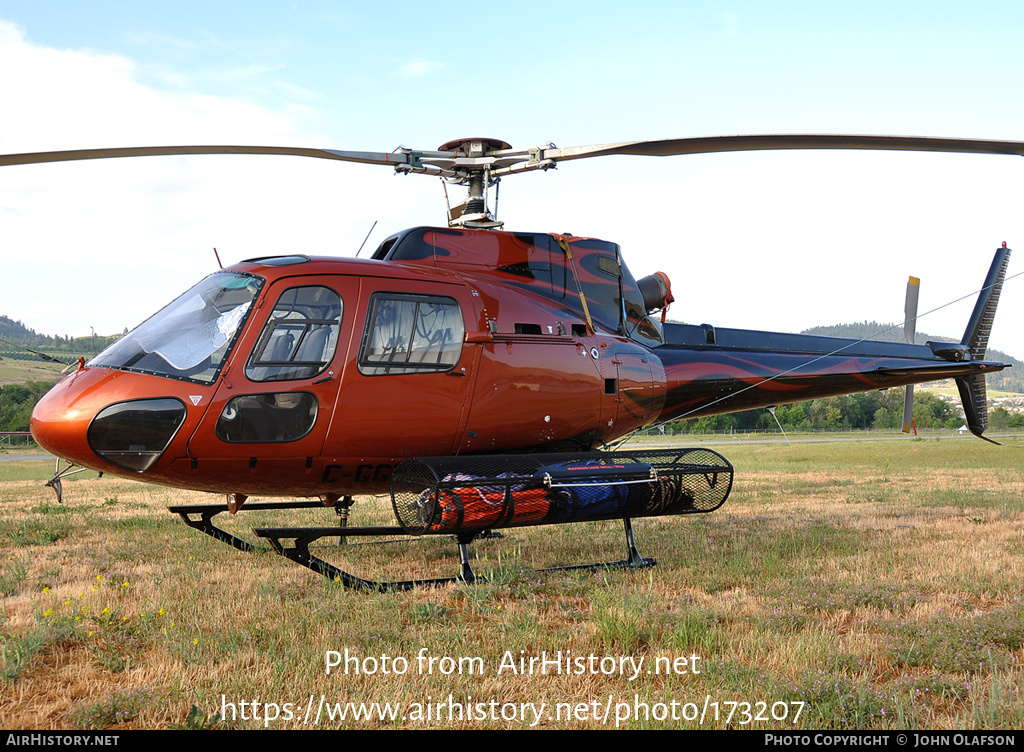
267	418
299	338
411	334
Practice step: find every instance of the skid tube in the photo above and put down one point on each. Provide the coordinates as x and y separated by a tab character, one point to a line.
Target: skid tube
302	538
468	497
200	516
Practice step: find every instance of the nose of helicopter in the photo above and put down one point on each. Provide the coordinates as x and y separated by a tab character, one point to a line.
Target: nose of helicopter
95	419
59	426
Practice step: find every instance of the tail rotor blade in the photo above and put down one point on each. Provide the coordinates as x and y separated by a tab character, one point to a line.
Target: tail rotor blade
909	330
908	411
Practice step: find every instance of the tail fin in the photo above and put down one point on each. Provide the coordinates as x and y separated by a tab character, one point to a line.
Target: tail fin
972	388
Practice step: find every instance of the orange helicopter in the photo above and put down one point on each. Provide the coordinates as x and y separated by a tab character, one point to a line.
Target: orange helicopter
469	371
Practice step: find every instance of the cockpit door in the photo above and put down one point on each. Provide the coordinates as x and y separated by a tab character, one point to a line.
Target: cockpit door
276	398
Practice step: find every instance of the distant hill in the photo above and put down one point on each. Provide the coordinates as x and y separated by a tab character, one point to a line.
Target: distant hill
20	362
14	334
16	331
1009	380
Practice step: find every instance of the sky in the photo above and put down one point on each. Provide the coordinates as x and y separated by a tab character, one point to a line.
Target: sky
776	241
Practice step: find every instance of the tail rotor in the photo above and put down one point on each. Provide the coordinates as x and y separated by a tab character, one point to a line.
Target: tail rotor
909	331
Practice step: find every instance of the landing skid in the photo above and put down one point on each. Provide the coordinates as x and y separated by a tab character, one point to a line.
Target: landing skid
201	517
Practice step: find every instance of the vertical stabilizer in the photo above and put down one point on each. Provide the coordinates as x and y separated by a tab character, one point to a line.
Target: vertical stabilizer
972	388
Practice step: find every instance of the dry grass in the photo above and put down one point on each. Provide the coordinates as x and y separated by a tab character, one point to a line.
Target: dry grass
877	582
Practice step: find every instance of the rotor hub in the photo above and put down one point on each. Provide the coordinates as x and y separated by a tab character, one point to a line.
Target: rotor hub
473	147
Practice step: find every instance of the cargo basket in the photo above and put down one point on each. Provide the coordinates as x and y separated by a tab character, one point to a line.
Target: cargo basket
436	495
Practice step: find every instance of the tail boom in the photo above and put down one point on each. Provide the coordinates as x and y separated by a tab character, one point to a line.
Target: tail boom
711	371
701	382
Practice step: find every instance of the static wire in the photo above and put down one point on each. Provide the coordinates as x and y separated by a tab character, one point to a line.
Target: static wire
812	361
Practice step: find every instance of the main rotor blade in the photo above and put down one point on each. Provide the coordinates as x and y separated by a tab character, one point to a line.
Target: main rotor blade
455	163
366	157
716	144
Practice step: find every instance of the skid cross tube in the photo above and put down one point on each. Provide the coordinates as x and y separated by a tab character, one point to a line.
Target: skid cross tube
207	512
633	558
300	554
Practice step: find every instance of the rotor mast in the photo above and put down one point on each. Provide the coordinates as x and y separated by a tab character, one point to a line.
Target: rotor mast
472	164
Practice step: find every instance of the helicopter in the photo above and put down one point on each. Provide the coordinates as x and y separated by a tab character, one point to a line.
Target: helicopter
478	375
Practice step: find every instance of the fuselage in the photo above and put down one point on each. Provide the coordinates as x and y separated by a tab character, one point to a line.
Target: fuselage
311	376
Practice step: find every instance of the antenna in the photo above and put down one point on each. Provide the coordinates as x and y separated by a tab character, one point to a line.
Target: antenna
366	238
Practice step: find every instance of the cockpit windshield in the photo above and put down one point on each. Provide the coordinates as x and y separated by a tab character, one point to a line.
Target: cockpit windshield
191	337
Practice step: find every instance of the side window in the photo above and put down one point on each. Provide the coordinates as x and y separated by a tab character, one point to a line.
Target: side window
299	338
411	334
646	331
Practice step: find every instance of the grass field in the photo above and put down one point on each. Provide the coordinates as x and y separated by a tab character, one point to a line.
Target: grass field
20	371
867	585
